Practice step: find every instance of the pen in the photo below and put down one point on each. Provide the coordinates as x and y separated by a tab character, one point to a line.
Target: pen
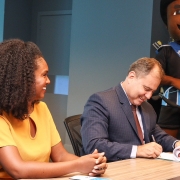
153	138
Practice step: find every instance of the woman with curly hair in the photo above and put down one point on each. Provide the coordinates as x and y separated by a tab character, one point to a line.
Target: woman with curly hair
28	136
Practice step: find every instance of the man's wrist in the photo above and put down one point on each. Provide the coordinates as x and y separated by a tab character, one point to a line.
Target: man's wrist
133	152
175	144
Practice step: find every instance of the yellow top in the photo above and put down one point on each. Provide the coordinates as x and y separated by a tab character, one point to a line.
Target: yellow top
17	133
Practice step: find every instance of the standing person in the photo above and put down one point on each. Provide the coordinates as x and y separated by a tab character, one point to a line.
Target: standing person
169	57
28	136
108	120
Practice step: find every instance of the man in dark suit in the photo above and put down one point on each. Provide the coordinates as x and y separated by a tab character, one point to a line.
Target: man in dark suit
108	122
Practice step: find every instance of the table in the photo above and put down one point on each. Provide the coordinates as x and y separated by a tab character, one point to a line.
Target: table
139	169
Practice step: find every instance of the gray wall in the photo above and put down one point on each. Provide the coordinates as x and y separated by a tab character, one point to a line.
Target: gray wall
17	19
20	20
1	19
46	5
107	36
159	31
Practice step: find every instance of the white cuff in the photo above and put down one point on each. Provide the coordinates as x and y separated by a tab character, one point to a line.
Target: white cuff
133	152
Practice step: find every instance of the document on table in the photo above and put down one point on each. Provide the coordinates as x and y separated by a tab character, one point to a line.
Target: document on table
171	156
81	177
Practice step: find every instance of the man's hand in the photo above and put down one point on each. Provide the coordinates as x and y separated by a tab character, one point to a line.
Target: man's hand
177	144
149	150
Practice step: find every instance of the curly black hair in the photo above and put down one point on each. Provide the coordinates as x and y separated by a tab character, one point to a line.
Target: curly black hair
163	9
17	66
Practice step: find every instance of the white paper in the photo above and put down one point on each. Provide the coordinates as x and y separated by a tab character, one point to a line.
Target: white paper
176	152
82	177
171	156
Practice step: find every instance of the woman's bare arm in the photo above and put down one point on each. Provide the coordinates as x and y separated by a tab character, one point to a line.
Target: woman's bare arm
12	163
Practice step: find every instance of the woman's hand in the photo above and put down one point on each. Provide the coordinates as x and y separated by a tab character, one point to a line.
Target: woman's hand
100	166
93	164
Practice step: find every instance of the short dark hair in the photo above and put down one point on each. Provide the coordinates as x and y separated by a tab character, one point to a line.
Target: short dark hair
144	65
163	9
18	61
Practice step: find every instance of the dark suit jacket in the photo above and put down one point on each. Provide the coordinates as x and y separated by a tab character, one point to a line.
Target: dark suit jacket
108	125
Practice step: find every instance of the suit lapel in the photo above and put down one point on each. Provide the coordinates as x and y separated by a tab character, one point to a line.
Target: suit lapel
125	105
146	123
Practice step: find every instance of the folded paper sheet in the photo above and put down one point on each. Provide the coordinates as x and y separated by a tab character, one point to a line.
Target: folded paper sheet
171	156
81	177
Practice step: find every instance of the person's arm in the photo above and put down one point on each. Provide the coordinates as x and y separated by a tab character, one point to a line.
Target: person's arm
59	154
160	140
166	57
63	156
177	143
169	80
149	150
12	163
95	130
164	139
